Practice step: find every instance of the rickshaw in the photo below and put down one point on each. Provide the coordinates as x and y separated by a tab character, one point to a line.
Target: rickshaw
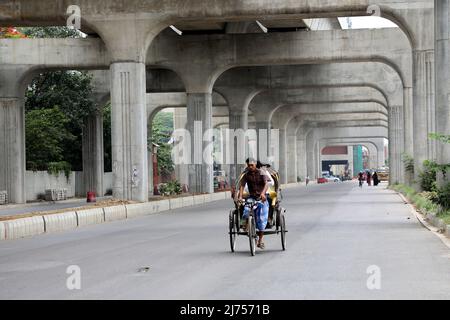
277	215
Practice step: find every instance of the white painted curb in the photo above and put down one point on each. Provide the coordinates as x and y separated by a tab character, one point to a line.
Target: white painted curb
20	228
90	216
2	231
60	222
160	206
115	213
176	203
188	201
139	209
26	227
198	200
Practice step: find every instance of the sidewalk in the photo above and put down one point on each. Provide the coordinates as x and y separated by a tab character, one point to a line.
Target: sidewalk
15	209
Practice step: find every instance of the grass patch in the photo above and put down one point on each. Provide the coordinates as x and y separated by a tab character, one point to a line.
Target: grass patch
422	201
445	216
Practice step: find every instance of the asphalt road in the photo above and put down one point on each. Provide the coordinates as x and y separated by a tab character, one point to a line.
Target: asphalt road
336	232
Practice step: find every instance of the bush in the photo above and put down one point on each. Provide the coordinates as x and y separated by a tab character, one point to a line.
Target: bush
174	188
428	176
443	197
408	161
56	168
423	201
169	189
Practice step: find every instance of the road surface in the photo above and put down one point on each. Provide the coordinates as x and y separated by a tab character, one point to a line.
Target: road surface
337	233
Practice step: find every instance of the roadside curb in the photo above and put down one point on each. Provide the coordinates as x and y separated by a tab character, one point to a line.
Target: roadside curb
59	222
430	224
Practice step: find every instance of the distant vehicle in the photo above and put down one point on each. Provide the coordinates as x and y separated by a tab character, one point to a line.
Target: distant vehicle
338	170
322	180
347	178
326	173
220	174
332	179
383	174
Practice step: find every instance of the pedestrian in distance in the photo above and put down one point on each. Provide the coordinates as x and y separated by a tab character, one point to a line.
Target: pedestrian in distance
376	180
369	178
361	179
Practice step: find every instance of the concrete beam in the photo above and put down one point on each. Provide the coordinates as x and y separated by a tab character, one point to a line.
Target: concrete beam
200	66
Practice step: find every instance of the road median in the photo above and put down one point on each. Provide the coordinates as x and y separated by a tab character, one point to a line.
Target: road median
51	222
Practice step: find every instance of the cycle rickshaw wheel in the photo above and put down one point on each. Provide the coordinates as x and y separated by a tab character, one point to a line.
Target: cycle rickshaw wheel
232	231
252	235
283	231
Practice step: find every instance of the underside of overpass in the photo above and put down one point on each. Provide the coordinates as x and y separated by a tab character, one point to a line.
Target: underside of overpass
295	83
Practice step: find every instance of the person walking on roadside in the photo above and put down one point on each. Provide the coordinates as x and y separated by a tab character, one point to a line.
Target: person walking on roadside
376	180
369	178
361	179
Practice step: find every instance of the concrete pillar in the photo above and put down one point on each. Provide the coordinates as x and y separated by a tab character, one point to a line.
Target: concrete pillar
180	122
395	144
381	156
424	120
263	141
238	120
408	120
373	156
442	60
129	131
311	159
301	158
199	121
292	170
283	156
318	160
13	82
12	148
93	154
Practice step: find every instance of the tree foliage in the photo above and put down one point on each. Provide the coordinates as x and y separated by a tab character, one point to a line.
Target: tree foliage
440	137
161	134
408	162
61	95
46	135
71	92
50	32
428	176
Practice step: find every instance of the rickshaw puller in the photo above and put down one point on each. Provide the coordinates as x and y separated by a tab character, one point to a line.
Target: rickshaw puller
258	185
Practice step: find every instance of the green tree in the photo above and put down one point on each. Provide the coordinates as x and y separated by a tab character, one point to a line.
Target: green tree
46	134
50	32
162	130
71	91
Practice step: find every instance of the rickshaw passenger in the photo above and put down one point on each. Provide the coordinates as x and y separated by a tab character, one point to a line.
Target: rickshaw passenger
258	185
271	182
